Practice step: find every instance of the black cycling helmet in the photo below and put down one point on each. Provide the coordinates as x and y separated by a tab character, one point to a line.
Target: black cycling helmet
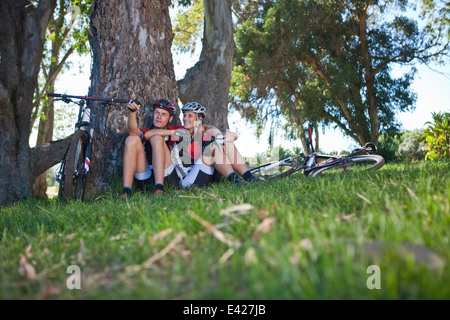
195	107
166	105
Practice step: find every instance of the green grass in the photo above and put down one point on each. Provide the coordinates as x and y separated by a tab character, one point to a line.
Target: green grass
302	238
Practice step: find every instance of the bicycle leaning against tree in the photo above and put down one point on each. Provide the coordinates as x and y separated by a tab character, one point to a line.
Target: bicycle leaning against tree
74	168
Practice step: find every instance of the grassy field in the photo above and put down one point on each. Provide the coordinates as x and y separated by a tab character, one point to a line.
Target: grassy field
375	235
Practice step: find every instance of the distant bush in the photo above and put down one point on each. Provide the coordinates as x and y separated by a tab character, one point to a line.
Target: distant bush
388	145
437	136
406	146
411	148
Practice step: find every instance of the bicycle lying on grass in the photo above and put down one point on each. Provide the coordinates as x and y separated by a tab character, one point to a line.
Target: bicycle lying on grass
317	164
74	168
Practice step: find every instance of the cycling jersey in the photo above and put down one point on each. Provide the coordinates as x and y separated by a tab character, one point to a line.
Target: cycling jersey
190	148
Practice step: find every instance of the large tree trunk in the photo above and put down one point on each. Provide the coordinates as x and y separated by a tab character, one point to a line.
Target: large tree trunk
208	82
131	43
22	30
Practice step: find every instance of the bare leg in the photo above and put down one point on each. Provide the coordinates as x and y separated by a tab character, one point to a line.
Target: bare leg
134	160
235	158
220	161
161	157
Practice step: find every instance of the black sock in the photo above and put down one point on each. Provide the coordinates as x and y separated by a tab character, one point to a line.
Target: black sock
159	186
127	191
247	175
232	177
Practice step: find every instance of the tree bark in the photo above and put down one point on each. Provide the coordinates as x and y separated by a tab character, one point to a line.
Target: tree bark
131	46
369	74
22	31
208	82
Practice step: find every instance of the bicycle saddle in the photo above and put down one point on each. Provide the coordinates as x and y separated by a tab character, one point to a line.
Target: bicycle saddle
370	147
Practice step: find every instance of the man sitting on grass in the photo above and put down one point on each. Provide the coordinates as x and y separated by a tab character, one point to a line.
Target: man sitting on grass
147	157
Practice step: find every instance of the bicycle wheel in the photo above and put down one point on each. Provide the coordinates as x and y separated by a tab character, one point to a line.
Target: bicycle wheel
276	170
74	181
62	179
355	164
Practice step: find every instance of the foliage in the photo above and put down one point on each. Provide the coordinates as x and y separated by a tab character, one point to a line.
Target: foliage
188	26
388	146
404	146
51	177
293	239
437	15
437	136
328	61
411	147
66	34
272	154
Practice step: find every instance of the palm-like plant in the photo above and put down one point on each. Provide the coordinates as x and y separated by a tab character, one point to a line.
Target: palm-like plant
437	136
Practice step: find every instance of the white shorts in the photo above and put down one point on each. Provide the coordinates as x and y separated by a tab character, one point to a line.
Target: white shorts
149	172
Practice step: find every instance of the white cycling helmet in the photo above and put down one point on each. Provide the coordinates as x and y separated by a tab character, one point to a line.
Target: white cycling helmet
195	107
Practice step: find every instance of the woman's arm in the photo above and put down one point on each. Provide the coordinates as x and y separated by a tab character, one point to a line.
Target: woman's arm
228	135
211	130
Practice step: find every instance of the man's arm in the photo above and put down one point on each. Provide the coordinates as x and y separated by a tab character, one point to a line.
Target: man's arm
160	132
132	125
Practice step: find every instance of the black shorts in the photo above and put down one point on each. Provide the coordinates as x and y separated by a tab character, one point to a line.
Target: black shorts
148	178
198	175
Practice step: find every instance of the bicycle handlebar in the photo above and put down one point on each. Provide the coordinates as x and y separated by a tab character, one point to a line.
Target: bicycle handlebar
59	95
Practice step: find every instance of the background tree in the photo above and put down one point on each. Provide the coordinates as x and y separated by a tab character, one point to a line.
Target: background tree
66	34
208	82
437	15
131	49
330	62
188	26
22	35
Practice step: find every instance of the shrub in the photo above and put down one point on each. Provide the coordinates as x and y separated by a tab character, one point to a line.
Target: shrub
437	136
388	145
411	147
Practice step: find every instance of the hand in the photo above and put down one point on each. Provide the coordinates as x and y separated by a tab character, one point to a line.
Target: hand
182	134
231	136
133	105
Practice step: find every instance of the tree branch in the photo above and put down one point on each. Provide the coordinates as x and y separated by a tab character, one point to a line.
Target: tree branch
53	75
47	155
351	134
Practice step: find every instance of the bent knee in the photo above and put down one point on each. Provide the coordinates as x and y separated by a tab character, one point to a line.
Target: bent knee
156	139
132	141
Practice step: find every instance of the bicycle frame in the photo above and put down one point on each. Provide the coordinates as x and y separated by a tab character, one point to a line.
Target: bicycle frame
83	123
312	161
